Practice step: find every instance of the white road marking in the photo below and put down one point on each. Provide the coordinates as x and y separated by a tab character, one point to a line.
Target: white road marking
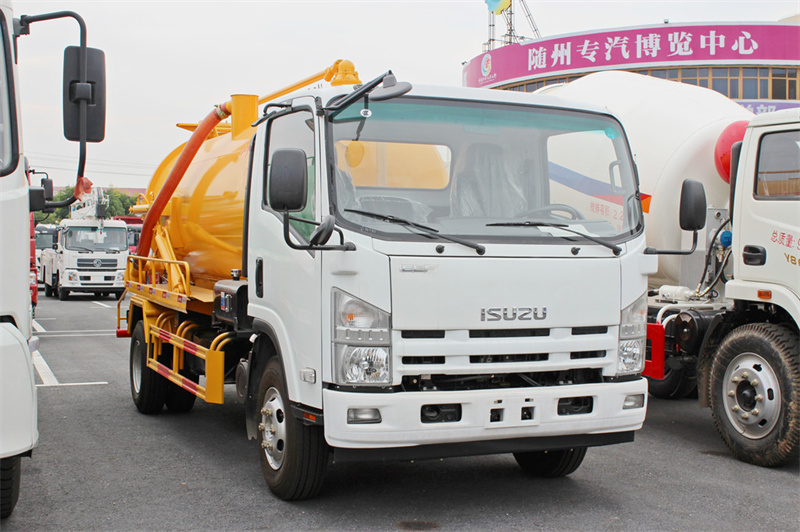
48	379
61	385
102	304
37	326
67	334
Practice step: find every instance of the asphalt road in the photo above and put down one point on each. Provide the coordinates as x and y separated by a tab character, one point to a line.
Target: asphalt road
101	465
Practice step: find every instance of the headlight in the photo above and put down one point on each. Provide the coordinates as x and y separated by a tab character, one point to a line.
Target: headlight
632	338
72	276
33	278
361	338
120	275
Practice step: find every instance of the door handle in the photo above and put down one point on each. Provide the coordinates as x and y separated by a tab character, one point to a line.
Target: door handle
754	255
259	277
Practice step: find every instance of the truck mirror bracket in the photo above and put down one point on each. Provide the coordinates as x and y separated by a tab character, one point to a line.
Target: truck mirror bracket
328	221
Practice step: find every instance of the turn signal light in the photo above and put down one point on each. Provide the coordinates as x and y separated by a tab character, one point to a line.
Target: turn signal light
765	294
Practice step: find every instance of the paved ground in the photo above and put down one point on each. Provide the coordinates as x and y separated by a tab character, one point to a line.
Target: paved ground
101	465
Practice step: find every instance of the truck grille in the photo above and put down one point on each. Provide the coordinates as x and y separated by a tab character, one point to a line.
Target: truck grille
96	264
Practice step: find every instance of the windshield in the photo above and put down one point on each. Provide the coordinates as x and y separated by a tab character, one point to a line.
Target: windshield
466	167
96	239
133	235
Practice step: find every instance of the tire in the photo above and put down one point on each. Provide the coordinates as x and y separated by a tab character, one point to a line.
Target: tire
148	388
48	290
63	294
118	295
293	456
9	484
551	464
755	394
676	384
177	400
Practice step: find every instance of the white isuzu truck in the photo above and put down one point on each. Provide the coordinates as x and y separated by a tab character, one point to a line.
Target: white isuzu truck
388	272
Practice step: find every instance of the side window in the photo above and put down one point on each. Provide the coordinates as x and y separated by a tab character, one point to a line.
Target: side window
778	173
296	130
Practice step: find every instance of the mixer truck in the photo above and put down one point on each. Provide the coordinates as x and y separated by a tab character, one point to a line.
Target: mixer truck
724	307
84	121
388	272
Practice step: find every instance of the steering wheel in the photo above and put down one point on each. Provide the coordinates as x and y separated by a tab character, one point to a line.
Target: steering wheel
569	209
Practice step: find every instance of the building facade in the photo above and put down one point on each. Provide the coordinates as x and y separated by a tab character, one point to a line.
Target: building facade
755	64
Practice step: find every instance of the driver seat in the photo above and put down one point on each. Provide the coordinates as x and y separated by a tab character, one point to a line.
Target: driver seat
485	188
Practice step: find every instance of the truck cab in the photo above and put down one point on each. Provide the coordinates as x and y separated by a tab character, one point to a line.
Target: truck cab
89	255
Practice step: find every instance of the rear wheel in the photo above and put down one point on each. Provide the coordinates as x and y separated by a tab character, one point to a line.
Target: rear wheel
148	388
9	484
551	464
48	290
755	393
293	456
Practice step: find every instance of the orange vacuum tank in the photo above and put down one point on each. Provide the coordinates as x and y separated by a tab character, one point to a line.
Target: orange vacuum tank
205	216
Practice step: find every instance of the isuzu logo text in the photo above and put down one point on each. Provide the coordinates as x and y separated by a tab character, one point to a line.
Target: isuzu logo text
513	313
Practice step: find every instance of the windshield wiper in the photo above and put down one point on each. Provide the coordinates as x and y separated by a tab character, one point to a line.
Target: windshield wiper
613	247
424	228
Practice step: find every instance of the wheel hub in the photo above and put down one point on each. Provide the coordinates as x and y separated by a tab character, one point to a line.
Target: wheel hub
751	395
273	428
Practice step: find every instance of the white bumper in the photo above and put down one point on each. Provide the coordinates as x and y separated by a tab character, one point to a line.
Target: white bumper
18	424
401	424
88	281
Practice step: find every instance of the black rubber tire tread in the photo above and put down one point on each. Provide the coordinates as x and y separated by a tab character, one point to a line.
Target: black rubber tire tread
63	294
779	346
302	473
551	464
153	387
177	400
10	469
48	290
118	295
676	384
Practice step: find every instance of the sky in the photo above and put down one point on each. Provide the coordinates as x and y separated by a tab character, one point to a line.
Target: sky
172	61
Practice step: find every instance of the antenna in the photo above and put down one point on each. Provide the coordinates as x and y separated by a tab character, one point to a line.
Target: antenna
511	36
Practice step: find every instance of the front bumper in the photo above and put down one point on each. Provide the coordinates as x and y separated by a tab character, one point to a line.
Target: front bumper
87	281
526	413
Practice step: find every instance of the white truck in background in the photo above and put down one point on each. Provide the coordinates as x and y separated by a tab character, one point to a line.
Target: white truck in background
84	121
89	253
724	313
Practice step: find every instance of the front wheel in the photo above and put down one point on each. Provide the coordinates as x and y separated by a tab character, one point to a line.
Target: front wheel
551	464
9	484
63	293
293	456
148	388
755	393
676	384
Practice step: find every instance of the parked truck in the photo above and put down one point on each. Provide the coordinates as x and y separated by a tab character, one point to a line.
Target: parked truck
89	254
83	88
388	272
724	313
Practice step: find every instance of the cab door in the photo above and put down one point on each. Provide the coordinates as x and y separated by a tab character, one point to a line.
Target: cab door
767	212
284	283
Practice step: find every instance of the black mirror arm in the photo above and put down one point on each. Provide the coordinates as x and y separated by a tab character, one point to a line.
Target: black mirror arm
654	251
343	246
24	29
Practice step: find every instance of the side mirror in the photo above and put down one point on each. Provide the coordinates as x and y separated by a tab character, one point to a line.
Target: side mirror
93	92
288	180
692	216
47	185
693	206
